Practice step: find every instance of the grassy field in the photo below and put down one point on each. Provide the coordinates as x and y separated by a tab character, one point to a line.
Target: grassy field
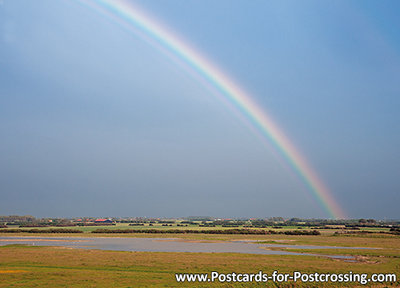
24	266
193	227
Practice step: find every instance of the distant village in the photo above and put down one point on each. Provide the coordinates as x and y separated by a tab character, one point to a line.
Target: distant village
204	221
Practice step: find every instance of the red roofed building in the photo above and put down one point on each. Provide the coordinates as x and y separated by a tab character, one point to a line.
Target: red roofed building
100	220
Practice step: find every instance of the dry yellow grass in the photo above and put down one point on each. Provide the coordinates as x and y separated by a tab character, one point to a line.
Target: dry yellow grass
61	267
11	271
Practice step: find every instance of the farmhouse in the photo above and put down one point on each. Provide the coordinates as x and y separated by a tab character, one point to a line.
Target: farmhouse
100	220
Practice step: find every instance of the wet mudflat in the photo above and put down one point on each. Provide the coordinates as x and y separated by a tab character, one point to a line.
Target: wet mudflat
164	245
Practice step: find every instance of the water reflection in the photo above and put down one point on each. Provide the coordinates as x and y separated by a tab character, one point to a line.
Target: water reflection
165	245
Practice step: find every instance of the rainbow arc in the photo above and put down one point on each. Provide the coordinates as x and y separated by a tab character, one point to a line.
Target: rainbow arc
131	17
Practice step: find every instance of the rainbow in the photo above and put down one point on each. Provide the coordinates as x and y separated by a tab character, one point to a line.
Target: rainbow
132	18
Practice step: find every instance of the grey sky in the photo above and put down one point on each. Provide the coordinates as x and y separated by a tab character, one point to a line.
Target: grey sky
96	121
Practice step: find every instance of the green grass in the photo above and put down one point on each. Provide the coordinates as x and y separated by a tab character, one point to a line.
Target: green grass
55	267
88	229
27	266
